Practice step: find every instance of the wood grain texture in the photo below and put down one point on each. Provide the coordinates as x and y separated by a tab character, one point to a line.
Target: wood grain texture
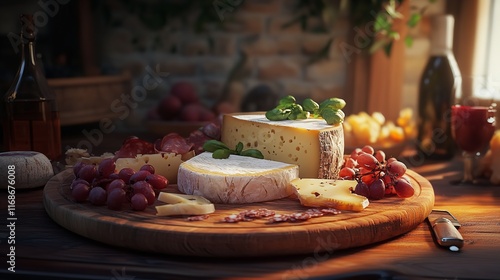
145	231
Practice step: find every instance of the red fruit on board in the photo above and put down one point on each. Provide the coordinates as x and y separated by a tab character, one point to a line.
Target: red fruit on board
191	112
169	107
185	91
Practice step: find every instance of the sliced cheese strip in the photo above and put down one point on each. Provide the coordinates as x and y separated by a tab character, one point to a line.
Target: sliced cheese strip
316	147
236	179
172	198
184	209
329	193
165	164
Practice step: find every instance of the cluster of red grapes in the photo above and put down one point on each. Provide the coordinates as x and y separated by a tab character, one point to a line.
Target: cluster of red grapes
376	176
103	185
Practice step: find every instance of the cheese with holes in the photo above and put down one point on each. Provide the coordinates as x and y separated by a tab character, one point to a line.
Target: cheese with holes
181	204
24	169
165	164
329	193
316	147
237	179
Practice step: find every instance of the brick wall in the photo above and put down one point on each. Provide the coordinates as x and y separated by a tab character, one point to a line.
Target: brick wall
275	56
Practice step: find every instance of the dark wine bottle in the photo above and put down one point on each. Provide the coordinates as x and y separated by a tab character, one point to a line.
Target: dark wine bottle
30	118
440	84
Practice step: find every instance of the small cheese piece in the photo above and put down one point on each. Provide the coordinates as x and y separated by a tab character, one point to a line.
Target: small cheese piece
237	179
165	164
316	147
24	169
329	193
185	205
172	198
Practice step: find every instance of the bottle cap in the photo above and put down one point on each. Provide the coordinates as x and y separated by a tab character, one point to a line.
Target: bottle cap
442	34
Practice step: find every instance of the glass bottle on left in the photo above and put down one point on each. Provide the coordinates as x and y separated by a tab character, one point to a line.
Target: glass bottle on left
30	118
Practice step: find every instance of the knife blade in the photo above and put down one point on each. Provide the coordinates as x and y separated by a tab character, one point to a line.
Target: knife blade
445	227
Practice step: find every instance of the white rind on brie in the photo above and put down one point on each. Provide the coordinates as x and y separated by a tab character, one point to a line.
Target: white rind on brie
236	179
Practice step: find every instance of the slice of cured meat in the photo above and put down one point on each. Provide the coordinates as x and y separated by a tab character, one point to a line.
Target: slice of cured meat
173	143
197	138
134	146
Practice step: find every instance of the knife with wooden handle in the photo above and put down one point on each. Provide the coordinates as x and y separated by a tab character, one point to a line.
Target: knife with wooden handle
445	227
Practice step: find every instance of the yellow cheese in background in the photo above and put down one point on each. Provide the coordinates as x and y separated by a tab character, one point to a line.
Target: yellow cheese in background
165	164
316	147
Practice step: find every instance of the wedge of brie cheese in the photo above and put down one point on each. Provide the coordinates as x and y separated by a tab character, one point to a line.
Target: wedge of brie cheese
316	147
329	193
237	179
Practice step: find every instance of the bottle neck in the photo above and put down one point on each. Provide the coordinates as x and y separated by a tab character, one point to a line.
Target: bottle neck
442	35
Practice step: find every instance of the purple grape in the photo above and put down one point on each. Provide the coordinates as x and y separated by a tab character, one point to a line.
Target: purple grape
77	167
377	189
138	202
157	181
115	199
115	184
138	176
362	189
97	196
146	189
88	173
126	173
80	192
148	167
106	167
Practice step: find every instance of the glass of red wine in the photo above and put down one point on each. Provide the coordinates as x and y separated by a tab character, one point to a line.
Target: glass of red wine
472	129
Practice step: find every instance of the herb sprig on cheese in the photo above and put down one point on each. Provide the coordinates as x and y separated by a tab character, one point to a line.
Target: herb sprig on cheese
288	109
220	150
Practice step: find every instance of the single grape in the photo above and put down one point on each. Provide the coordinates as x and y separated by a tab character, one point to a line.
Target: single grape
396	169
351	163
88	173
138	176
126	173
80	192
146	189
157	181
115	184
377	189
347	173
138	202
355	153
106	167
368	178
391	159
114	176
98	196
77	167
362	189
404	188
78	181
149	168
115	199
366	160
368	149
380	156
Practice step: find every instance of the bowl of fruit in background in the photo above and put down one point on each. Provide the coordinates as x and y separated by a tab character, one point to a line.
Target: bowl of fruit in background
182	112
375	130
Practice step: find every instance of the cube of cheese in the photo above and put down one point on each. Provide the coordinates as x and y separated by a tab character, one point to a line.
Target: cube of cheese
316	147
237	179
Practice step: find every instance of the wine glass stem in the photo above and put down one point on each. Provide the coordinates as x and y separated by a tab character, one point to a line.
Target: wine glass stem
468	166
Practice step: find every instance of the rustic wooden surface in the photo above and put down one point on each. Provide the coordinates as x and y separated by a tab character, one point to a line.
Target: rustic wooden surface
46	250
381	220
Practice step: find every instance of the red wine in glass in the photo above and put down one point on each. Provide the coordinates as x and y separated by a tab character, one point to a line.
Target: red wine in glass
472	129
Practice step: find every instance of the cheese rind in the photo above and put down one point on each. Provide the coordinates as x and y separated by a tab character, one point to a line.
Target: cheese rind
316	147
237	179
165	164
329	193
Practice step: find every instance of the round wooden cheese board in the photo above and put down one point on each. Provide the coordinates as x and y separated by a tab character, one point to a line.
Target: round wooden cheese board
381	220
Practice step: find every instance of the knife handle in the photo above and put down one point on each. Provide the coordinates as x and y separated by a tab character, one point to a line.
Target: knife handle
446	233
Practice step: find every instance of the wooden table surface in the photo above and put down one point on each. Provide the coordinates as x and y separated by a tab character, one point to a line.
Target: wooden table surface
45	250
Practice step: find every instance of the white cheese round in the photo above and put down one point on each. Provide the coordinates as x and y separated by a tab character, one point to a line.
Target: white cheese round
24	169
236	179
